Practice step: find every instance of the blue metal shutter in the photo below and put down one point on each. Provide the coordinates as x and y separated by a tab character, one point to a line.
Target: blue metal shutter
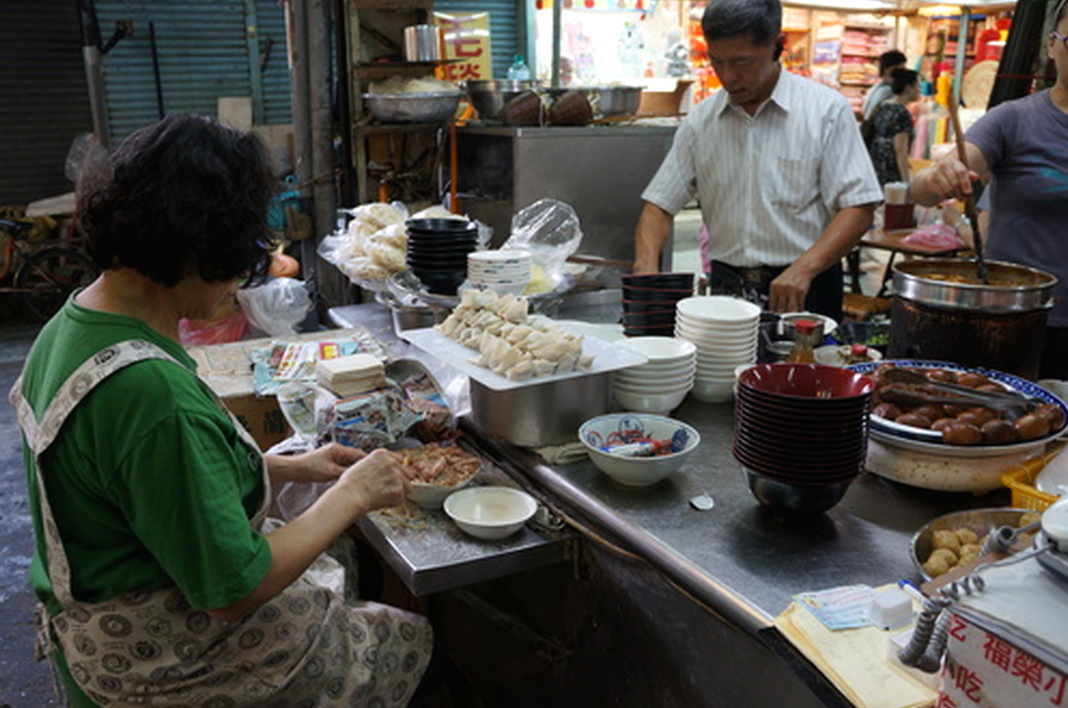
506	27
45	101
203	52
274	73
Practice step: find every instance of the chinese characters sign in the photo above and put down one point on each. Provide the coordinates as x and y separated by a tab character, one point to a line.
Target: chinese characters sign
983	669
467	45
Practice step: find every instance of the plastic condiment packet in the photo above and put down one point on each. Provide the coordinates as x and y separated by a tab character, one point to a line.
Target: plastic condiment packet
845	607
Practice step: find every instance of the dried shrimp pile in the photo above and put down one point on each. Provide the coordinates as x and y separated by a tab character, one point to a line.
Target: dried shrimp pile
444	465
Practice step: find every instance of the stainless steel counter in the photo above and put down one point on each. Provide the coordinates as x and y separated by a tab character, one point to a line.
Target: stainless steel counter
731	568
739	558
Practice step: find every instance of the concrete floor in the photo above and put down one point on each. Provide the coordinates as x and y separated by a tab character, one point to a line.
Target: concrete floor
24	683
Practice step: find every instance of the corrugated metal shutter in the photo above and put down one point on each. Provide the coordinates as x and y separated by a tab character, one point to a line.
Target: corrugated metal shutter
203	54
274	72
45	102
505	27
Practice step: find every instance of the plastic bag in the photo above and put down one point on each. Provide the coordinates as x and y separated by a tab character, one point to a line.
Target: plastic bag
550	230
228	326
276	307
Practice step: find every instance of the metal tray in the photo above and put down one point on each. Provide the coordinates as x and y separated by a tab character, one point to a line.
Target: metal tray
607	357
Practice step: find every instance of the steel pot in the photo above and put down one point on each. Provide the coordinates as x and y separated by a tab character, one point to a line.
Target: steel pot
941	311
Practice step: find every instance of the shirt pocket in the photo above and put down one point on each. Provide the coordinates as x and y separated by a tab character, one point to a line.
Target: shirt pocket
796	181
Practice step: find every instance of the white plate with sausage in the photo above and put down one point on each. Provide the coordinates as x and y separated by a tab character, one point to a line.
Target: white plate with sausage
930	441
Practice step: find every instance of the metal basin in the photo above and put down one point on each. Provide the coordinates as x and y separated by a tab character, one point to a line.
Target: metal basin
489	96
436	107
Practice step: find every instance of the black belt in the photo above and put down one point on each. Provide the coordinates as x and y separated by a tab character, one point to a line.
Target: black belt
758	277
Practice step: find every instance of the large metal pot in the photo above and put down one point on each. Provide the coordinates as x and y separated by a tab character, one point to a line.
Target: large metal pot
942	311
541	414
489	96
606	101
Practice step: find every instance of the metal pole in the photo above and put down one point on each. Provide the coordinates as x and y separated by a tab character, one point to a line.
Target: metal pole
94	76
332	284
557	14
962	52
155	68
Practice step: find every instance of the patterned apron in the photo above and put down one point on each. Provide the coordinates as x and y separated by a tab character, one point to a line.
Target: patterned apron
305	647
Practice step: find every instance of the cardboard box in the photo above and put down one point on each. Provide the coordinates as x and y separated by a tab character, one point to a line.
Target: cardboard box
227	368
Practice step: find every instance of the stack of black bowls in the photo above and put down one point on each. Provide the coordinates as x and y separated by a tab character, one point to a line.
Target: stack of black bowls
437	252
649	302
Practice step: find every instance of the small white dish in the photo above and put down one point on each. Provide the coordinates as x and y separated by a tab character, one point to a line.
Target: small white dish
490	513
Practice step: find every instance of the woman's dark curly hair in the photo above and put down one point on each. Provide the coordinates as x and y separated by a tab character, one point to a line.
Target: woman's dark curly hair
183	196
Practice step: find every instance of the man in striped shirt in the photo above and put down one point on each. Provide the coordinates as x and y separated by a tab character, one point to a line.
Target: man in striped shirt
778	166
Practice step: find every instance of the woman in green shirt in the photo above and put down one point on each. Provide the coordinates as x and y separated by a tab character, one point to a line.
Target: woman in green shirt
160	585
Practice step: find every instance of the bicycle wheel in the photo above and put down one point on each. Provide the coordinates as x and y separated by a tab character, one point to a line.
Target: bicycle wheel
47	278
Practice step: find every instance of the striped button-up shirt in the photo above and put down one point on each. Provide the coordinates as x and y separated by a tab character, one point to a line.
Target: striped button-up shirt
767	184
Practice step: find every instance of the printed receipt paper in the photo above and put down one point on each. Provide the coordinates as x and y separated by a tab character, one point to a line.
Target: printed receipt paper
856	661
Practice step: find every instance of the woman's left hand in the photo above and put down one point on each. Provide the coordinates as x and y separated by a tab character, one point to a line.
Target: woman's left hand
324	464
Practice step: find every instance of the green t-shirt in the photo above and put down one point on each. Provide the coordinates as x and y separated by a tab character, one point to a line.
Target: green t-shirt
148	480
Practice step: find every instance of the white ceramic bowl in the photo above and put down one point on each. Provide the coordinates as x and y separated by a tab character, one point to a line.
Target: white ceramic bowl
714	390
490	513
651	381
656	403
674	386
431	496
700	336
598	432
718	308
661	349
645	371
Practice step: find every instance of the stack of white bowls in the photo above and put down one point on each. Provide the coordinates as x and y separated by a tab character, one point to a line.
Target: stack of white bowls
725	331
659	385
505	271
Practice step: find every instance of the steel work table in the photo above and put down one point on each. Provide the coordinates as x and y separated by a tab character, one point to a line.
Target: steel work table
740	561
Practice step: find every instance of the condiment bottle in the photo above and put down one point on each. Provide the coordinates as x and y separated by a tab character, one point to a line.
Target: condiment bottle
804	351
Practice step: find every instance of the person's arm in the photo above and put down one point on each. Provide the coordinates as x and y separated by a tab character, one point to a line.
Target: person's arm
650	235
323	464
949	178
901	152
376	481
788	291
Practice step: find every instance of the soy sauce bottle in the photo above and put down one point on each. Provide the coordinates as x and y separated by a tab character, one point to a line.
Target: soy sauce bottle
804	351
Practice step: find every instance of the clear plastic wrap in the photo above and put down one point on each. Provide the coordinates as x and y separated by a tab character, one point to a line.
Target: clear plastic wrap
276	307
550	230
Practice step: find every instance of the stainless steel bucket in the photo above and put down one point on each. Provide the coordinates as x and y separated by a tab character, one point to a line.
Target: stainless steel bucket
422	43
541	414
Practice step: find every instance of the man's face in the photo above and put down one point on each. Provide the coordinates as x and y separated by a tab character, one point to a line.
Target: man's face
747	71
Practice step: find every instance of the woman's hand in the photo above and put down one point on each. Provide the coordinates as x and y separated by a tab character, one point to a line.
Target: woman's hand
949	178
324	464
378	480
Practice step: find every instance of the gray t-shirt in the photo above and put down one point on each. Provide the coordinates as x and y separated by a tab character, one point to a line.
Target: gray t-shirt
1025	143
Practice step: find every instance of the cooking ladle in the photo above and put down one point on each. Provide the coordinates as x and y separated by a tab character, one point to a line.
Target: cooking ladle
969	200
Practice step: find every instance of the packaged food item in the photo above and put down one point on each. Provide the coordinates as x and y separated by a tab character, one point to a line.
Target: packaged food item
371	420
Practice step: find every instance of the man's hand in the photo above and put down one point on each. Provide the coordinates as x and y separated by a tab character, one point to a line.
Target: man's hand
788	291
